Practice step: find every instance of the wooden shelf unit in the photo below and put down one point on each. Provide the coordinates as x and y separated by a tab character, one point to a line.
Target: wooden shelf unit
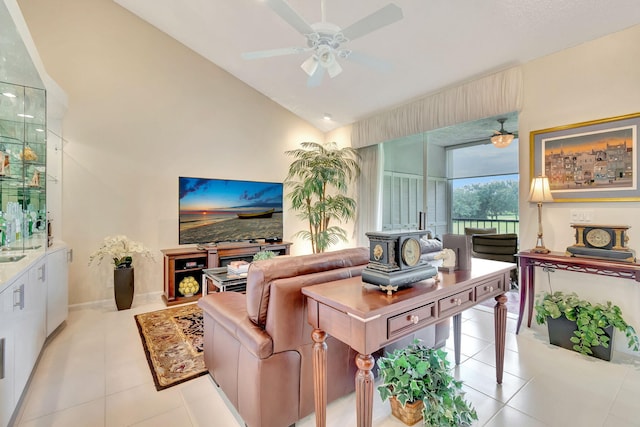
190	261
177	267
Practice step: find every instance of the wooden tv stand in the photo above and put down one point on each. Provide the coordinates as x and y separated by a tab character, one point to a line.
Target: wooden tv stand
183	262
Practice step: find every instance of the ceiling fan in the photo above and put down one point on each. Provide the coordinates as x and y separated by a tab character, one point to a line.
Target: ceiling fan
325	40
501	138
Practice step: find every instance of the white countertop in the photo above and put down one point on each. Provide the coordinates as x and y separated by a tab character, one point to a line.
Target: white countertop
10	270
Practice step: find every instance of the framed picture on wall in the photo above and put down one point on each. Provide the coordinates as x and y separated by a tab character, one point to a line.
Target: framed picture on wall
594	161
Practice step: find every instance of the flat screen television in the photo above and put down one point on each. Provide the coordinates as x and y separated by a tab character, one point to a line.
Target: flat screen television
225	210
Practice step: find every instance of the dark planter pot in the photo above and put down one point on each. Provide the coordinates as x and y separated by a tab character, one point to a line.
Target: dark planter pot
123	287
561	330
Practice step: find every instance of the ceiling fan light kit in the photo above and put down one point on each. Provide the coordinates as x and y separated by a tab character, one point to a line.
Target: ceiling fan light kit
502	138
325	40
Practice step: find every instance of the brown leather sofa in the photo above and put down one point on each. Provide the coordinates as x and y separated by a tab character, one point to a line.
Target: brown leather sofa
258	347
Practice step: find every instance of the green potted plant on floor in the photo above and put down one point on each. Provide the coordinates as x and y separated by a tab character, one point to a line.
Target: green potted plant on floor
319	178
580	325
419	380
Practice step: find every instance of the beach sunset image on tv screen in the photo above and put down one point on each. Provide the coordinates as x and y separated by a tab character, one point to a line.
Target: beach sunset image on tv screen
223	210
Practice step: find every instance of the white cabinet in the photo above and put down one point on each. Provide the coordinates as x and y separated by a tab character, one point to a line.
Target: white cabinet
57	288
31	303
7	400
29	322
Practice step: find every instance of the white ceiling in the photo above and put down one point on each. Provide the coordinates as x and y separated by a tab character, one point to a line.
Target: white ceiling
438	43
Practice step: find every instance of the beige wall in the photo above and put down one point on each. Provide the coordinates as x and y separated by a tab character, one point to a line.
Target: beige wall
595	80
143	110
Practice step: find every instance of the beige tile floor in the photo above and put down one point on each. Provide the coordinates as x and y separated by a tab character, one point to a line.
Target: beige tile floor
94	373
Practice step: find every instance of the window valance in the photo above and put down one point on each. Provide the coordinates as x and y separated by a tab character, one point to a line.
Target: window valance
498	93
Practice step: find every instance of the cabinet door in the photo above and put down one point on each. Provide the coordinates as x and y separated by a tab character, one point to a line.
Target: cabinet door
29	328
57	288
7	400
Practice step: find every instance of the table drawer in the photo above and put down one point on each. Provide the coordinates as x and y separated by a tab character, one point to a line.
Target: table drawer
456	302
409	320
495	286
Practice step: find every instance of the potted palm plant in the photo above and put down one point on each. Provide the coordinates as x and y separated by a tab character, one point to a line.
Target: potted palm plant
120	249
319	178
577	324
419	383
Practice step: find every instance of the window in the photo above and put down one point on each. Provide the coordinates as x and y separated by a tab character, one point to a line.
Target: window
453	180
484	187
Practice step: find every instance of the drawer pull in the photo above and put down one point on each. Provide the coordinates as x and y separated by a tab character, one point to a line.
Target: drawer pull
490	288
456	301
414	319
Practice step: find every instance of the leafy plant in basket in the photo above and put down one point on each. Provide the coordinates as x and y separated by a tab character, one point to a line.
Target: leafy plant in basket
591	320
419	373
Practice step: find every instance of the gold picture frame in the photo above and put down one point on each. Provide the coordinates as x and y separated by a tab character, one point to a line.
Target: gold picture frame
594	161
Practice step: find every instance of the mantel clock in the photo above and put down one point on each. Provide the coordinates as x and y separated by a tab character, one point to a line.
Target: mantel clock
601	241
394	260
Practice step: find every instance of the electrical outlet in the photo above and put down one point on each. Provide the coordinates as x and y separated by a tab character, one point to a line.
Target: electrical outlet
581	216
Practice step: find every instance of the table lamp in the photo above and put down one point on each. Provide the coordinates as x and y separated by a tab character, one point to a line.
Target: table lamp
540	193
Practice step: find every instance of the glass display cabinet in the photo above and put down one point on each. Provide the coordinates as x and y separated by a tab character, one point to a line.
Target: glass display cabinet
22	170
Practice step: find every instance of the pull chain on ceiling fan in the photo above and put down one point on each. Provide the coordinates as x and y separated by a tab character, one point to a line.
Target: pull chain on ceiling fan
325	40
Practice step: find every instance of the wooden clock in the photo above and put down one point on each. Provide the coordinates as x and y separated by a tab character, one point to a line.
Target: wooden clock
394	260
601	241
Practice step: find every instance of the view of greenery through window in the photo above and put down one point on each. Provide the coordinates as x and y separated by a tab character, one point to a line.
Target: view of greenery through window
486	198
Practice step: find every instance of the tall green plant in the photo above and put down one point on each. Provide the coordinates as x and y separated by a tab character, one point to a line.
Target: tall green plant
318	178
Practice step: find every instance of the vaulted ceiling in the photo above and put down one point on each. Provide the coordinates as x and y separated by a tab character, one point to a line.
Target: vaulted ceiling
436	44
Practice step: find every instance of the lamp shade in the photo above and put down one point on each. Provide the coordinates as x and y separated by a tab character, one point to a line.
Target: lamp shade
310	65
540	191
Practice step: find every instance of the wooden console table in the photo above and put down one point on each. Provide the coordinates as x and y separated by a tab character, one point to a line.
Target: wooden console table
559	261
367	319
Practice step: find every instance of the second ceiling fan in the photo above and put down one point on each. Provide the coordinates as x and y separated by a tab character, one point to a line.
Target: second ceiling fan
325	40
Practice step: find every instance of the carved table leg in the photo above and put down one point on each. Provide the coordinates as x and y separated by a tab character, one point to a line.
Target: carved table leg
364	390
531	291
457	330
320	376
524	284
500	322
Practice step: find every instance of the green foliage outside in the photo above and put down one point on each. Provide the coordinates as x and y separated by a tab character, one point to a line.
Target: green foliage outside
492	200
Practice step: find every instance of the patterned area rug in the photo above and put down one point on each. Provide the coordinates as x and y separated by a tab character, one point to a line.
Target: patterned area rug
173	342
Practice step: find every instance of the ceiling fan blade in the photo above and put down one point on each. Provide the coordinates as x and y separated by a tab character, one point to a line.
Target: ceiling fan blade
370	61
315	79
285	11
258	54
385	16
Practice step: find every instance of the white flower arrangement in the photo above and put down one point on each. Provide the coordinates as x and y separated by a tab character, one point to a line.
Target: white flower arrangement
120	249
